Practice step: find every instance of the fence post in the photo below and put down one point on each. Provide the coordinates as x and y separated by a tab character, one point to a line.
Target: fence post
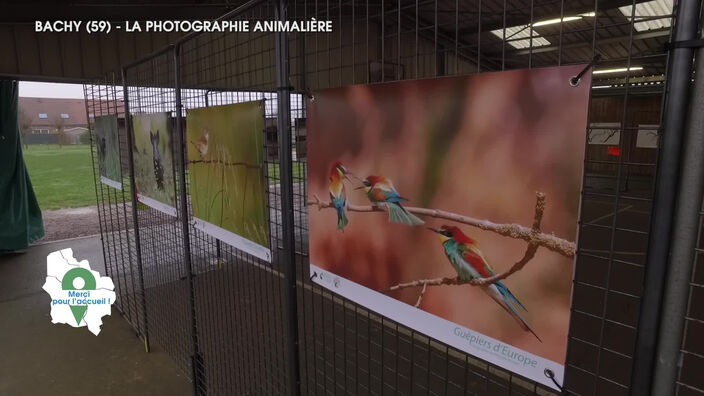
133	196
679	67
196	359
98	201
684	240
288	256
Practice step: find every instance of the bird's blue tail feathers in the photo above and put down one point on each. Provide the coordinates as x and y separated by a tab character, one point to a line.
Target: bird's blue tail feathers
511	302
342	220
397	214
508	295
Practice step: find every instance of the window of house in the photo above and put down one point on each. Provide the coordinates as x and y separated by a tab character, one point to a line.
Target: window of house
65	116
41	131
43	115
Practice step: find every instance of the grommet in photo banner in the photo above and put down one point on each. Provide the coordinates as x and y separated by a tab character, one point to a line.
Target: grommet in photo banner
310	96
575	80
551	374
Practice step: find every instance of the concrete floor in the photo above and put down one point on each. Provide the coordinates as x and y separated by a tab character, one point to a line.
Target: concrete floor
40	358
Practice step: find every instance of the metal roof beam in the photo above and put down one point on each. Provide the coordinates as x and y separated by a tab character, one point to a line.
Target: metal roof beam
611	40
111	12
446	40
549	11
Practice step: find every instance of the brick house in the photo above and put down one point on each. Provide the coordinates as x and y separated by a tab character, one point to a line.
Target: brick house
53	121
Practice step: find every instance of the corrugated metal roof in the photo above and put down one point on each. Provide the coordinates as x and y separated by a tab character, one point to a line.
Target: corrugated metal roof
650	10
520	32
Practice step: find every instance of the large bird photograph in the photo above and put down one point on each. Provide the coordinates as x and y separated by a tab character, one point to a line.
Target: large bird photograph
153	160
456	196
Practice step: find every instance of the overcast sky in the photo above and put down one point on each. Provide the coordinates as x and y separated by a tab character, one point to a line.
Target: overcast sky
51	90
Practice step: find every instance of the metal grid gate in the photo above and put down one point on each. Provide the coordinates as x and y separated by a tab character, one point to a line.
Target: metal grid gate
425	39
226	316
689	380
118	235
149	88
239	305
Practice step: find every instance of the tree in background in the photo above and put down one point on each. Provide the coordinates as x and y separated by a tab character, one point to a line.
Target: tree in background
60	126
25	121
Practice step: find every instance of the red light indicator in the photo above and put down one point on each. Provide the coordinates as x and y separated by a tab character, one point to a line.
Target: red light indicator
614	150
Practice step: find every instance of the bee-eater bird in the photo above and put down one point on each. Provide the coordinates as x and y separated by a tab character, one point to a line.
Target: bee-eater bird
381	192
469	262
338	196
202	145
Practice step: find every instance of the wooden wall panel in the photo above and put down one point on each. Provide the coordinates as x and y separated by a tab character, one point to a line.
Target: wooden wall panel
640	110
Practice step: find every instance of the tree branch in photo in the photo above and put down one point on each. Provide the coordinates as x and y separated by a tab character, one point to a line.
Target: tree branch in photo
420	296
533	246
515	231
245	164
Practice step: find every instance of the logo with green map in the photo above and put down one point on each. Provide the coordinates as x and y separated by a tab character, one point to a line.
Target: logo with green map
79	295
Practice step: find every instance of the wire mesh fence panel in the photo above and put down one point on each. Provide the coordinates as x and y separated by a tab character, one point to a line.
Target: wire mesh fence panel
104	102
220	309
239	296
152	126
348	350
689	381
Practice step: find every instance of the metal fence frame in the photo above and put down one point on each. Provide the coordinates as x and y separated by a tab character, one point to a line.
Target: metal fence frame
327	344
119	236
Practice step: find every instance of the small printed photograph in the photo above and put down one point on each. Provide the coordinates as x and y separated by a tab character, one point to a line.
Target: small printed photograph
153	161
226	170
106	134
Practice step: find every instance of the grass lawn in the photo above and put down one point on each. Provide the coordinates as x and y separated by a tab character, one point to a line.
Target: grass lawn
298	172
61	177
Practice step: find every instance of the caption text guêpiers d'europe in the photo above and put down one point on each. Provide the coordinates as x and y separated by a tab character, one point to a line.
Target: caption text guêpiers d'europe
502	350
183	26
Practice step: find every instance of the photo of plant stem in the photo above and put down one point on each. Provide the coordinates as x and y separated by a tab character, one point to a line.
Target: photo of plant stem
225	161
108	147
153	157
458	196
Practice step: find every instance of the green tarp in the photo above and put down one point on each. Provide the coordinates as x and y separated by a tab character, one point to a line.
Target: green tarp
20	216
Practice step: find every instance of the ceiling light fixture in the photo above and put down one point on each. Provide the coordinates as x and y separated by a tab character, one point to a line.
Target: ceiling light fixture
618	70
556	20
563	19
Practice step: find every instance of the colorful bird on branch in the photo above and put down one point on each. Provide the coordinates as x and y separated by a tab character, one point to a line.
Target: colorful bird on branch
381	192
202	144
338	196
469	262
